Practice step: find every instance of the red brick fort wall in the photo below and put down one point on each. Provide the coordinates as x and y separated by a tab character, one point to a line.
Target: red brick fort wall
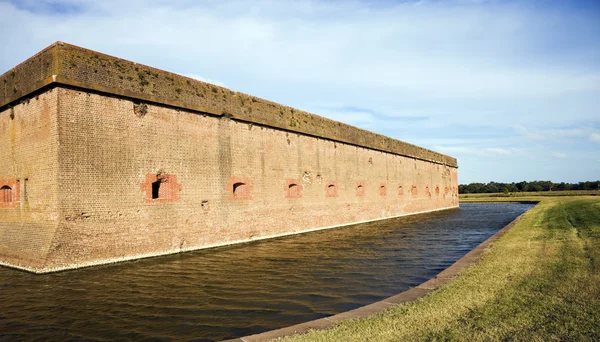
104	159
227	181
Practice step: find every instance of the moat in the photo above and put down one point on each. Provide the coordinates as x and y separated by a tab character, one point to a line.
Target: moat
230	292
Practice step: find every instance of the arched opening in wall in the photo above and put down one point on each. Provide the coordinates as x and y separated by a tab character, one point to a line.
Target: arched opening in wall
382	190
240	190
293	190
160	187
414	191
6	195
427	192
437	190
360	190
400	190
331	190
156	189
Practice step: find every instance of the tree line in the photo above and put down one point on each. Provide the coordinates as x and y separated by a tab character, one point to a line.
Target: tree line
494	187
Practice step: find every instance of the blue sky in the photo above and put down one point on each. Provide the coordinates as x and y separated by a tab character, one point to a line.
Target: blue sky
510	88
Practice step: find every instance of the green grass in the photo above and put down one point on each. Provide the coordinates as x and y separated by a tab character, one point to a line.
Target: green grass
535	193
539	282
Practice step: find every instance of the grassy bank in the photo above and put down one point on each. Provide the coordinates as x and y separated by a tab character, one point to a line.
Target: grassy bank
533	193
540	281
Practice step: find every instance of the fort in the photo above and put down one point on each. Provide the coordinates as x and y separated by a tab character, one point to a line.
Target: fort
105	160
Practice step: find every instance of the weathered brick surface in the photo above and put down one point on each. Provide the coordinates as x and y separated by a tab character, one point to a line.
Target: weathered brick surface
28	76
113	178
71	65
107	151
29	166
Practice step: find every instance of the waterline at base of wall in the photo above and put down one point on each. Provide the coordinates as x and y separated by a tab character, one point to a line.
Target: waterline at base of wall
195	248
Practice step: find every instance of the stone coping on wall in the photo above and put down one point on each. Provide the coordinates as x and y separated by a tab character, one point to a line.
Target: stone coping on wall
73	66
412	294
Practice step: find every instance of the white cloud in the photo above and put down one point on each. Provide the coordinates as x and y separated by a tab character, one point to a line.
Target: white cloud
559	155
554	133
470	68
474	151
433	50
497	151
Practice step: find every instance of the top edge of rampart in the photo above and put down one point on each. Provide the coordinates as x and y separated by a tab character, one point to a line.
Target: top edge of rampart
70	65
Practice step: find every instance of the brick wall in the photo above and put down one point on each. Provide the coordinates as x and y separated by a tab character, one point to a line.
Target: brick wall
29	168
103	159
65	64
110	156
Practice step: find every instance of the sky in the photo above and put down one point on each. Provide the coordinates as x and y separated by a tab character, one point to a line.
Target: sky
509	88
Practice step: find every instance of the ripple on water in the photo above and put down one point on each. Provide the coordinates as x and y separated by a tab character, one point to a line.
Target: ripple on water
246	289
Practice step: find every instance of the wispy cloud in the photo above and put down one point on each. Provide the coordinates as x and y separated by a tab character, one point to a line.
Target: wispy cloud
49	6
474	79
481	152
581	132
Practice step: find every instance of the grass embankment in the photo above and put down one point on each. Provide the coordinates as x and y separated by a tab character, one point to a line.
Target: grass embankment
533	193
540	281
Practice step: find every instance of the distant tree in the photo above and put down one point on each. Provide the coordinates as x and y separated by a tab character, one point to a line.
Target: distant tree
474	188
492	187
537	186
589	185
545	185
